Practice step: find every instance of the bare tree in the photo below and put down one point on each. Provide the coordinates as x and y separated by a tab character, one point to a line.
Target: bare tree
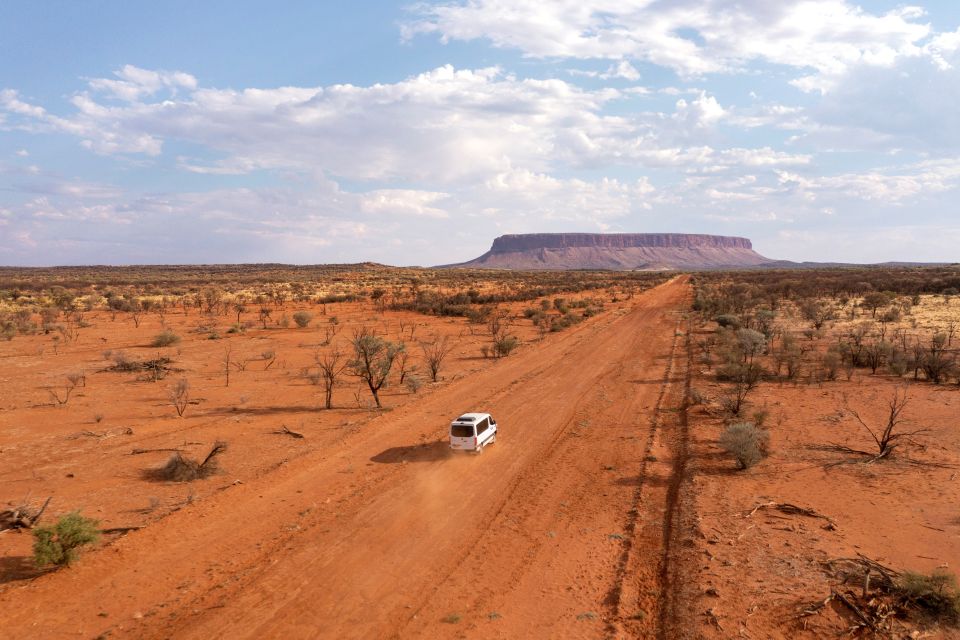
890	435
136	312
434	353
240	308
503	342
817	312
227	357
331	366
745	378
373	358
937	362
180	396
402	358
73	381
264	316
269	356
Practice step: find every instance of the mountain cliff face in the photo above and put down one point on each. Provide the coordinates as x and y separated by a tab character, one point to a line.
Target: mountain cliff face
620	251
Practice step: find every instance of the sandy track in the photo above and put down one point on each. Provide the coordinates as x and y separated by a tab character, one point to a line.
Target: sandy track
551	532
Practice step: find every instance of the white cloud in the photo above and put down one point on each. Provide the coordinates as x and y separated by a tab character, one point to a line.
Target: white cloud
10	100
622	69
892	185
133	83
704	111
693	38
403	202
444	126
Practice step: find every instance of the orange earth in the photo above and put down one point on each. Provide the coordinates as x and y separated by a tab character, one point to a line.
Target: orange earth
605	509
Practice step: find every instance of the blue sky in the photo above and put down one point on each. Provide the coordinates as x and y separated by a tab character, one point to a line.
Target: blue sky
414	133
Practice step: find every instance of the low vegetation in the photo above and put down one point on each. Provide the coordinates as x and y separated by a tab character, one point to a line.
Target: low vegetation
180	468
746	442
59	544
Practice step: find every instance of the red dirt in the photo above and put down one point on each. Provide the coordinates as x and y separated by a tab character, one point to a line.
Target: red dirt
370	527
755	573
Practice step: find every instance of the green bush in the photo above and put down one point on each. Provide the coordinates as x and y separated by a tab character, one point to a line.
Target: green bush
165	338
746	442
302	318
59	544
936	593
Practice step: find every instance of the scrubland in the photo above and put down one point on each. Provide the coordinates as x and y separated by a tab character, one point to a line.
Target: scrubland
257	451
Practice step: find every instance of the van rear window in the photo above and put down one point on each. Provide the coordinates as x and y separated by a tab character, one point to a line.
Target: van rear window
461	430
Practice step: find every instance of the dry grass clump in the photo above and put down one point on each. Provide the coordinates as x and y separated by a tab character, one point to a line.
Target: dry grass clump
884	597
182	469
165	338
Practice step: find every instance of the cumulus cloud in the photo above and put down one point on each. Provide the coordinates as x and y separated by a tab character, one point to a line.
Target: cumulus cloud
824	37
132	83
443	126
889	185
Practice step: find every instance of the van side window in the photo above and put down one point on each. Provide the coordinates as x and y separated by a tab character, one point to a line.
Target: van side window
482	426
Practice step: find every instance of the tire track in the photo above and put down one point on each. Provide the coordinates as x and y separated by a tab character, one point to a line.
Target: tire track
643	594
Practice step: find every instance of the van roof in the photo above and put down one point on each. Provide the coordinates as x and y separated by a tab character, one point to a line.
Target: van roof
471	417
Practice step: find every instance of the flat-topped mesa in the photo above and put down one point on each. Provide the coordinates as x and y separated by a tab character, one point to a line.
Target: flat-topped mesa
618	251
511	243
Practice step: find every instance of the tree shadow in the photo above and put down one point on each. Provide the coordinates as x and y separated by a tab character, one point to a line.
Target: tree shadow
14	568
426	452
262	411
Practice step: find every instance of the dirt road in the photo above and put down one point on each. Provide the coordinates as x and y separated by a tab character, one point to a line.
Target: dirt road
560	529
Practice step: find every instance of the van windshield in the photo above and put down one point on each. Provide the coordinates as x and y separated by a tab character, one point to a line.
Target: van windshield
461	430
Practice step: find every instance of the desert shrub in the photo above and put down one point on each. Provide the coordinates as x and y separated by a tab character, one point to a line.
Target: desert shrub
302	318
182	469
728	320
936	594
898	363
750	343
504	346
59	544
478	315
121	361
830	365
890	315
760	417
746	442
165	338
412	382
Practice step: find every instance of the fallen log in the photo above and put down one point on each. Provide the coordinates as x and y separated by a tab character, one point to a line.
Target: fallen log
21	517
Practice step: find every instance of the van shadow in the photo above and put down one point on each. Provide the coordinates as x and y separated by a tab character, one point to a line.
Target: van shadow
426	452
13	568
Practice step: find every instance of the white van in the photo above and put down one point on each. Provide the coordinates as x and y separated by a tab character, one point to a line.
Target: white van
472	432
